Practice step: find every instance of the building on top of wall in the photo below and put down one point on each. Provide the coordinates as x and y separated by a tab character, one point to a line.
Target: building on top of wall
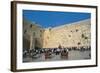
32	35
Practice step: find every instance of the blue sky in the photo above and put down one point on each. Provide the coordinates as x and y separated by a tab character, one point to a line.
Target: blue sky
52	18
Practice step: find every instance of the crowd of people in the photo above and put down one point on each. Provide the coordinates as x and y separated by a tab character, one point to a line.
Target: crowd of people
63	52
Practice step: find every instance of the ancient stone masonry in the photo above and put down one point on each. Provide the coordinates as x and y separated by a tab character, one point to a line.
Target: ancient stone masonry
33	33
67	35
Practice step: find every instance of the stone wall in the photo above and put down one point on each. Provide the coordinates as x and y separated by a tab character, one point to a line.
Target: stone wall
68	35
